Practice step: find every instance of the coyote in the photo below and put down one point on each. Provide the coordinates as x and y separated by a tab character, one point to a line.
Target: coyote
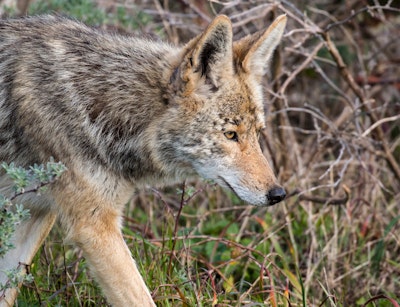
123	112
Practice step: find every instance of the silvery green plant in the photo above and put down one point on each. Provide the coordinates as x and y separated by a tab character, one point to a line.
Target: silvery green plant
34	179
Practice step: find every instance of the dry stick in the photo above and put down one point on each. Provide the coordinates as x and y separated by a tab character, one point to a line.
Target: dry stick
165	22
244	17
286	138
176	227
380	122
344	72
325	200
386	7
197	10
300	68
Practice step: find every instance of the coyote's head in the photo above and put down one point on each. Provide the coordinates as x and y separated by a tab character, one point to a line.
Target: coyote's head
216	110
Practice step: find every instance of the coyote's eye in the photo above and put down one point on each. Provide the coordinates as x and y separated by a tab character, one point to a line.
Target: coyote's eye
231	135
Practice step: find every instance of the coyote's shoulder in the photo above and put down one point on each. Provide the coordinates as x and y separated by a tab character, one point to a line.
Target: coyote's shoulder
123	111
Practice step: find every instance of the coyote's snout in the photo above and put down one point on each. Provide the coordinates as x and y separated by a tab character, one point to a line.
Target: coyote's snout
121	112
241	166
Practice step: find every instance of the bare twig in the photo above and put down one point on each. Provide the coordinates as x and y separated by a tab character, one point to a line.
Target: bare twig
380	122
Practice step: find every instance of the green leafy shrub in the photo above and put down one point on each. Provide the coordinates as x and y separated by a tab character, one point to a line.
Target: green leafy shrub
31	180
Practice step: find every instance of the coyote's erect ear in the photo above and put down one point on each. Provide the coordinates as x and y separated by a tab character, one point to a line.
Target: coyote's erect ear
209	55
252	53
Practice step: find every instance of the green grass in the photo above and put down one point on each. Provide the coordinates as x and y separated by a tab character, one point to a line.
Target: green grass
292	254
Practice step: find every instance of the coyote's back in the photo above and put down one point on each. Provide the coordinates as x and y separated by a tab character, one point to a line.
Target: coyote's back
71	92
121	112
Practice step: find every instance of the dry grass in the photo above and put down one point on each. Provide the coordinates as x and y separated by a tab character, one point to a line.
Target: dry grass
333	137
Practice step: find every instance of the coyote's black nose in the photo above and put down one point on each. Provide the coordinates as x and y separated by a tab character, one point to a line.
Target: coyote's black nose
275	195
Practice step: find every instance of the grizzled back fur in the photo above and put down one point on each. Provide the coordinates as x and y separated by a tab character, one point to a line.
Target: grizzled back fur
77	88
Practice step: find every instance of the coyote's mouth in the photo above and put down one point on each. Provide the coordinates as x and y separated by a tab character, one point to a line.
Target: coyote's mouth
228	185
248	196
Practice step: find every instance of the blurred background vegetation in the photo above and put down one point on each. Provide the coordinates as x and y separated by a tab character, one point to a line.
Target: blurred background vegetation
333	137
